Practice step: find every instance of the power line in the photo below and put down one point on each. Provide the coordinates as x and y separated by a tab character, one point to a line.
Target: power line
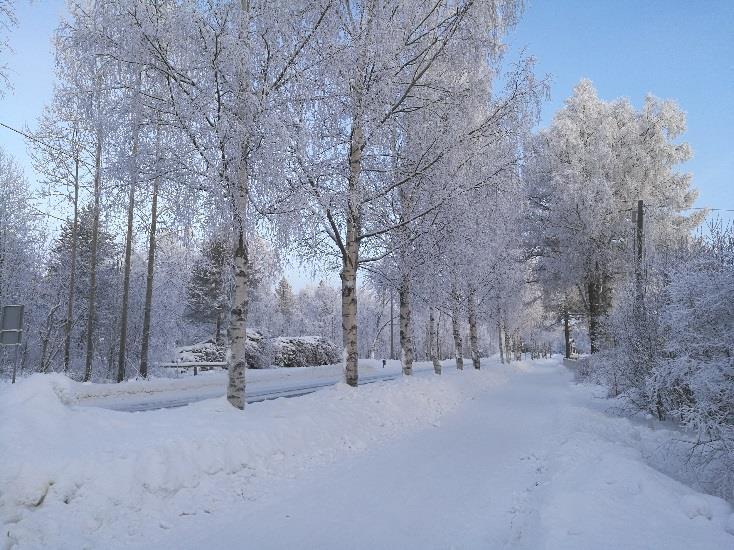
690	208
680	209
53	147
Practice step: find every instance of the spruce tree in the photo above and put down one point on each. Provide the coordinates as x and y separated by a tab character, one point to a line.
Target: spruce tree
207	288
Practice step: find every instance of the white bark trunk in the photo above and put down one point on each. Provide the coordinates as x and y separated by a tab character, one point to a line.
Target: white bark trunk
433	341
350	255
456	329
237	362
349	320
500	344
508	347
473	337
406	340
239	187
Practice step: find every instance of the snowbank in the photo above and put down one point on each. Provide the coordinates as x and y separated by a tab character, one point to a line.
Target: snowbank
602	493
76	477
206	385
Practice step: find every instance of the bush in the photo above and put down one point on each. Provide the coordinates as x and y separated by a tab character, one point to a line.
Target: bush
258	354
304	351
673	354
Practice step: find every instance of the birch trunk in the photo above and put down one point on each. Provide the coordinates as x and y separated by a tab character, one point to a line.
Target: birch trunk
456	329
350	256
499	342
349	319
237	331
508	346
438	336
349	310
128	255
93	260
594	296
518	348
46	338
433	341
147	308
567	332
72	270
236	359
406	340
237	362
473	337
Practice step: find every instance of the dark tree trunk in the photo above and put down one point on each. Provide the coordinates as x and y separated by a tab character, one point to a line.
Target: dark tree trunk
567	332
147	308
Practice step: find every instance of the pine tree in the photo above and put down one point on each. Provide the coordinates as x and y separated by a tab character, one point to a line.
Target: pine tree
285	304
207	288
59	271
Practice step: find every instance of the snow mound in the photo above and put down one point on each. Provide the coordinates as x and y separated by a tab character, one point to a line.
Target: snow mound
71	474
603	489
696	506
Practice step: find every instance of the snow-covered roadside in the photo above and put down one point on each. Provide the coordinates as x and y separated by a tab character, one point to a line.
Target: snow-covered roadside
605	486
210	384
75	477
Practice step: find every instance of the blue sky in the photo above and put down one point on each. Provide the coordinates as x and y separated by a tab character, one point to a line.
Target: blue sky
672	48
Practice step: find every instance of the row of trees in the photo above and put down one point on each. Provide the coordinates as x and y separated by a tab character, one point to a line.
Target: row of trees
355	133
190	146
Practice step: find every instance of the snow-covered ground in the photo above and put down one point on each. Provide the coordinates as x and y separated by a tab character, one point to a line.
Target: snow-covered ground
507	457
155	393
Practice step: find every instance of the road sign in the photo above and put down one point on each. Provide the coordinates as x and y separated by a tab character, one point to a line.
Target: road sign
11	325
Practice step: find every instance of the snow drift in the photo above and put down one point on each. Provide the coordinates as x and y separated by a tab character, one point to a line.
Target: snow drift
71	473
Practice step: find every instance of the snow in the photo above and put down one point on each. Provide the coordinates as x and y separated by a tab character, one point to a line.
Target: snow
506	457
209	384
74	474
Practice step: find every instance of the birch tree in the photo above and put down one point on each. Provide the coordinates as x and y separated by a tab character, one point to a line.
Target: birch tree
386	55
226	93
593	164
8	20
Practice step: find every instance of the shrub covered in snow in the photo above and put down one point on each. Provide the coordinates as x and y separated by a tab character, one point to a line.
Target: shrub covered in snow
201	352
259	352
672	354
304	351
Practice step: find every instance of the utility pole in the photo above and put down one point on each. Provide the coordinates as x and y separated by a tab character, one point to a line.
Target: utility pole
638	265
392	328
640	219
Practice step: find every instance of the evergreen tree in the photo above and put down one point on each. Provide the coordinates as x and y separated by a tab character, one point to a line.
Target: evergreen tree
59	274
207	287
285	305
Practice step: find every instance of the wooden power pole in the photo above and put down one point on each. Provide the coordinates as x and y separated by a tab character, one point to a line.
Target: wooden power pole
639	242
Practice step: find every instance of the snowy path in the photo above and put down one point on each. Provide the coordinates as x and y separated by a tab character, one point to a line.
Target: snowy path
524	465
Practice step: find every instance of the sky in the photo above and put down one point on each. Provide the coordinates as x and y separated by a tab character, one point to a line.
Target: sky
674	49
